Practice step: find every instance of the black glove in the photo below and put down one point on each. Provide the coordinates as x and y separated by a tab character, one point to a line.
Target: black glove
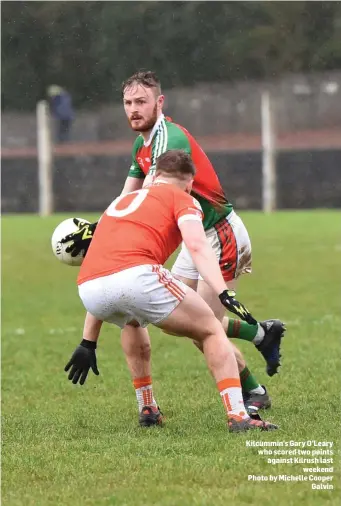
82	359
81	238
227	299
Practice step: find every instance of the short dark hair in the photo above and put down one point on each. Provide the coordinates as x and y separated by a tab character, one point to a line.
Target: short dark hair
146	78
176	163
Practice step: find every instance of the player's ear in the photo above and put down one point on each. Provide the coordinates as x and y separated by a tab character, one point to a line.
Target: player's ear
189	186
160	101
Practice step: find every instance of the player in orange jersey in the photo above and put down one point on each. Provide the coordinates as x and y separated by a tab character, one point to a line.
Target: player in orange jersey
122	281
143	103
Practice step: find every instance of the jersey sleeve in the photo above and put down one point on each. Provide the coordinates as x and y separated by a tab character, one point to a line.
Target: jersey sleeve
135	170
187	208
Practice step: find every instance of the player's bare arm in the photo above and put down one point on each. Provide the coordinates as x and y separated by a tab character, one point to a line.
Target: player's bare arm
204	258
132	184
194	237
92	328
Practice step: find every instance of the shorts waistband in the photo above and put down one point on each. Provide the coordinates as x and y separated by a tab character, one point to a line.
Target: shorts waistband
228	218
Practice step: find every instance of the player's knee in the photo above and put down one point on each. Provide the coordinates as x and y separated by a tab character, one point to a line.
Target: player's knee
170	333
211	326
198	345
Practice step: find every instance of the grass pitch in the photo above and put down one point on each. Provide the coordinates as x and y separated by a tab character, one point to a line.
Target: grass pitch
71	445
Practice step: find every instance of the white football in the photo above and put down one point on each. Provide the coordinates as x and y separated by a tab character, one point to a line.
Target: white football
64	228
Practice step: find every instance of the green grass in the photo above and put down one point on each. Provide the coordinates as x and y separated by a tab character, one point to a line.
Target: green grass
67	445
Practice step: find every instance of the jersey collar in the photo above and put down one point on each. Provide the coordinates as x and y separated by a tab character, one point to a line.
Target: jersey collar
159	180
155	127
156	182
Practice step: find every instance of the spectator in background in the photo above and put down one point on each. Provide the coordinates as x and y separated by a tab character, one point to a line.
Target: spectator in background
62	110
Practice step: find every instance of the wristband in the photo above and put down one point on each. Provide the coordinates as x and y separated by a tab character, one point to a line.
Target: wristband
91	345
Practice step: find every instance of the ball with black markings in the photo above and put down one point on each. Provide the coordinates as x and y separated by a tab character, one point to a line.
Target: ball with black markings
65	228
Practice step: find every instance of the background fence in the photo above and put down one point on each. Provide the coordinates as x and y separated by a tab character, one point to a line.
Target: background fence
225	118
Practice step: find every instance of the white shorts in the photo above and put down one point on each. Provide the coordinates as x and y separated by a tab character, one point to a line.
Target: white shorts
146	293
231	244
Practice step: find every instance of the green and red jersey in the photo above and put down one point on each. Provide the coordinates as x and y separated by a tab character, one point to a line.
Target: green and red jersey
206	186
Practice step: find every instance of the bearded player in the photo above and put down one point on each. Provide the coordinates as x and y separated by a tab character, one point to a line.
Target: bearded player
122	281
143	103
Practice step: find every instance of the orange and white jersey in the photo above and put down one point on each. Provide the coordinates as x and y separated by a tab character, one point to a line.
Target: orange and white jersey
139	228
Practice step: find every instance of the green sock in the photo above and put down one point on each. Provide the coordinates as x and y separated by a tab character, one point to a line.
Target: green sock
242	330
247	380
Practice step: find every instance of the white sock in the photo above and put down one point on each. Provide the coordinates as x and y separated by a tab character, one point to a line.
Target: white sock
259	390
233	400
144	397
144	392
259	336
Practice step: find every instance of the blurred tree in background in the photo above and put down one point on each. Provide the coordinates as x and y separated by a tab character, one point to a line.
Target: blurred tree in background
90	47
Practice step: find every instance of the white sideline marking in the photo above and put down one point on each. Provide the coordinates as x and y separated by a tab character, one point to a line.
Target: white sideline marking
332	318
21	332
62	331
292	323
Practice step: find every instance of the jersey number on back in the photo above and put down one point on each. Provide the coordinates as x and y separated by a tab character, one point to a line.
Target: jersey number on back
133	205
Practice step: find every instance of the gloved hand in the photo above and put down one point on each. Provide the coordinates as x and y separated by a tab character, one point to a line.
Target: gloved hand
227	298
81	238
82	359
